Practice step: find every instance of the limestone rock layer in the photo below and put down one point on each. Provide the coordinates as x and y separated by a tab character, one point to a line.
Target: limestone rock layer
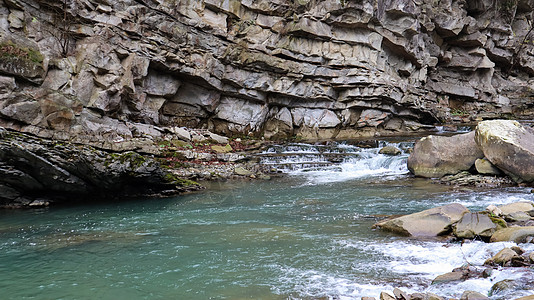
104	70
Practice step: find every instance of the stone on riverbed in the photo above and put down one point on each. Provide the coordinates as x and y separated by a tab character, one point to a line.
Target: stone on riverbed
513	234
472	295
436	156
390	150
449	277
509	146
502	286
502	258
428	223
386	296
473	225
522	206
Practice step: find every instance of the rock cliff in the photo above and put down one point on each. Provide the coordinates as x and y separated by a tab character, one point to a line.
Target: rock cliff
104	72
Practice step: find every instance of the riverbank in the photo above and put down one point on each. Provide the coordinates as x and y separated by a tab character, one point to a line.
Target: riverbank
37	172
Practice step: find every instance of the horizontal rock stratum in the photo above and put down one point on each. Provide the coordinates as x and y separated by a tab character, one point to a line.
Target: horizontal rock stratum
102	71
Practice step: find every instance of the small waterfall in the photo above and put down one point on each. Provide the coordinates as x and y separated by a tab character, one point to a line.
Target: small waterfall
336	161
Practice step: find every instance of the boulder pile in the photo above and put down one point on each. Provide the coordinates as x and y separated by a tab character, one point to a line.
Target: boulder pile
493	148
512	222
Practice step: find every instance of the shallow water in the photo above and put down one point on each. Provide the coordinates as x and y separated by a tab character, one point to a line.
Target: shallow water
303	236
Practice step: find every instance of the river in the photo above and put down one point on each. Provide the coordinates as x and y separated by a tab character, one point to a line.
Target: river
305	235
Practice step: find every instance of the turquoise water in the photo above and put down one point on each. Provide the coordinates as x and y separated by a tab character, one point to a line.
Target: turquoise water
304	236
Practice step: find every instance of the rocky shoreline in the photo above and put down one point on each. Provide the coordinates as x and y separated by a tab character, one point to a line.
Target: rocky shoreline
37	172
507	223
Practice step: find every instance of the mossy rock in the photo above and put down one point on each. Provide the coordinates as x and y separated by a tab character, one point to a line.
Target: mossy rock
21	61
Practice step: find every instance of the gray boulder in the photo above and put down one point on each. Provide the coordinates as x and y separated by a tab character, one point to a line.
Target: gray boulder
513	234
428	223
436	156
390	150
511	208
485	167
475	225
472	295
502	258
509	146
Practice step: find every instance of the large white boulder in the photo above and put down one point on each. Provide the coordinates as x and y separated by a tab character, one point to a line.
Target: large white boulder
509	146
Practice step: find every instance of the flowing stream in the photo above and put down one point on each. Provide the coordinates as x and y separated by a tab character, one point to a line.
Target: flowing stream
306	235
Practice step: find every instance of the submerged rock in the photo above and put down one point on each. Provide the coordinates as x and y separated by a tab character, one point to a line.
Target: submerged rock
509	146
429	223
436	156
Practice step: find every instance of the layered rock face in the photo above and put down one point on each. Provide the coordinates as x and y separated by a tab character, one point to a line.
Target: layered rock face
103	71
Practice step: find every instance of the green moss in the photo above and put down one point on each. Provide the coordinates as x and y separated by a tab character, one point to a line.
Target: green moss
11	50
173	179
135	160
498	221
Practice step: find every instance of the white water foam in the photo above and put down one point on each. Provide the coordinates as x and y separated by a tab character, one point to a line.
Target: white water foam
427	260
364	163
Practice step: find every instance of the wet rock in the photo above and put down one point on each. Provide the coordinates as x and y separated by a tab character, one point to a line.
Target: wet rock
449	277
526	298
517	250
242	171
368	298
494	210
467	179
518	216
400	295
436	156
390	150
472	295
509	146
511	208
502	258
483	166
386	296
503	286
473	225
429	223
513	234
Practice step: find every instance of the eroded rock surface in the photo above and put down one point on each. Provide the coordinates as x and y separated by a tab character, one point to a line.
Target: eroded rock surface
314	69
36	172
